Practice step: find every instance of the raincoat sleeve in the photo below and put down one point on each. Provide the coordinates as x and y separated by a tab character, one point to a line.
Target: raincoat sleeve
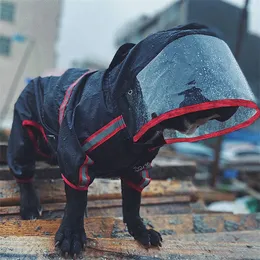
137	180
74	163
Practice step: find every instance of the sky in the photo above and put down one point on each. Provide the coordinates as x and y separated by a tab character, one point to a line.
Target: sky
88	27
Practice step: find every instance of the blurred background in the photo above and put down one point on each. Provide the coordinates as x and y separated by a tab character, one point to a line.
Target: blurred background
40	38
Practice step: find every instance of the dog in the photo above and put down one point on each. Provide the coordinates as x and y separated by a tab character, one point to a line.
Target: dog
102	124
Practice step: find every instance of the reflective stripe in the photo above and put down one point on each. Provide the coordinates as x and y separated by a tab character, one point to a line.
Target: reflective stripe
104	134
144	174
145	183
147	180
84	176
84	179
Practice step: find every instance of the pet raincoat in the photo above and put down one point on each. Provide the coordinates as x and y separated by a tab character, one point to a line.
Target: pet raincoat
92	122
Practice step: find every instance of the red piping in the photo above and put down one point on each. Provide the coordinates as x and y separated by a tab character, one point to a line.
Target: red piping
72	185
199	107
136	187
215	134
37	126
27	123
67	97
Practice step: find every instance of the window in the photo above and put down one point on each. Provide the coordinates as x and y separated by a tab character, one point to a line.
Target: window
5	45
6	11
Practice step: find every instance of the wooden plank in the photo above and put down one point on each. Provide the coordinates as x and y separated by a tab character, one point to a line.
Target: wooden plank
150	206
167	225
95	227
53	191
228	246
235	245
163	168
209	195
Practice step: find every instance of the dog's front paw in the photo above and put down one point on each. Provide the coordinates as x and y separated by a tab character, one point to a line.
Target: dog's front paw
30	207
147	237
71	239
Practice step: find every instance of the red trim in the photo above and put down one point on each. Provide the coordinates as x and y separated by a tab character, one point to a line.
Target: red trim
103	129
27	123
80	170
131	185
138	187
72	185
67	97
199	107
106	138
36	125
24	180
215	134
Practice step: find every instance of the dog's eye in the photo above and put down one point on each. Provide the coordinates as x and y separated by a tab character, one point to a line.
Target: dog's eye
130	92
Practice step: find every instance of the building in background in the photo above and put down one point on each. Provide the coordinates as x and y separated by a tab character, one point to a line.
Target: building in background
221	16
28	35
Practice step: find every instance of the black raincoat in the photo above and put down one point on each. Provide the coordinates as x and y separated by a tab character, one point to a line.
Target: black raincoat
92	122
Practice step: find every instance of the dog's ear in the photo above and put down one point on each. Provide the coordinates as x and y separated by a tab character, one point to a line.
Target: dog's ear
121	54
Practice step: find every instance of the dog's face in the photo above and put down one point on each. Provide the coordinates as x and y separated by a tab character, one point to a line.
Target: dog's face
191	126
188	123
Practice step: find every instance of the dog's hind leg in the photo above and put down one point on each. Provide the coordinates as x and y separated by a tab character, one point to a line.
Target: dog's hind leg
21	160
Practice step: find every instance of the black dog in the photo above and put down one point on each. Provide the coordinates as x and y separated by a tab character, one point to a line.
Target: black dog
71	235
100	124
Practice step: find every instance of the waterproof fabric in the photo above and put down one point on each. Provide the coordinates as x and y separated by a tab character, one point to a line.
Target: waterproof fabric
91	121
66	118
196	72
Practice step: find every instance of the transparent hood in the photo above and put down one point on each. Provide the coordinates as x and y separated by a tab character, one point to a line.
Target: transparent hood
193	73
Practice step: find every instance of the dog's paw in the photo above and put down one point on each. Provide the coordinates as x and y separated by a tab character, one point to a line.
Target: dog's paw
70	241
30	207
147	237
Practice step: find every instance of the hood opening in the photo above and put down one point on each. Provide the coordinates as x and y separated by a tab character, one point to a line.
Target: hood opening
242	114
192	74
